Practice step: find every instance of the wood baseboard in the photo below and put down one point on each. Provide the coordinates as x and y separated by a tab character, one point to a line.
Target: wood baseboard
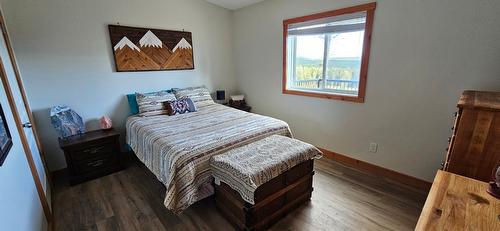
360	165
377	170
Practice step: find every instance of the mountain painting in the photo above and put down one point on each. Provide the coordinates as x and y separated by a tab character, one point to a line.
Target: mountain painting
141	49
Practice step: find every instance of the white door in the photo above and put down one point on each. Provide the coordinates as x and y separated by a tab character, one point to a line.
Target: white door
20	104
20	208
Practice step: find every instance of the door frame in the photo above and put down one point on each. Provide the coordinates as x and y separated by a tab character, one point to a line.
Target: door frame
19	124
23	95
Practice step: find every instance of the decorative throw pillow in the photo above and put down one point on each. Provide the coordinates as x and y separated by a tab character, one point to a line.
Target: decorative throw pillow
132	102
180	106
151	104
199	95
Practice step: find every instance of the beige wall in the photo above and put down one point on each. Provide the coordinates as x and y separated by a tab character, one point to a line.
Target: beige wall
424	54
65	55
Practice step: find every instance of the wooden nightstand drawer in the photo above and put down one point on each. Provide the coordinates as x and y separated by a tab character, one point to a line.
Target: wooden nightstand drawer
92	151
96	164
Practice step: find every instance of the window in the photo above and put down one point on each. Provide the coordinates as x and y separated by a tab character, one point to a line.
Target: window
326	55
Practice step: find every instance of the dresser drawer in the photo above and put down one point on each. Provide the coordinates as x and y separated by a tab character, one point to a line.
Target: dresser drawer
92	151
91	165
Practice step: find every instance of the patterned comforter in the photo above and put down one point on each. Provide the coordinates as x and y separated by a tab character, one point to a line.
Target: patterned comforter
177	149
248	167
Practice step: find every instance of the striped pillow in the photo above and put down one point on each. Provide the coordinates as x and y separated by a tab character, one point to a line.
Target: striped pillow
151	104
199	95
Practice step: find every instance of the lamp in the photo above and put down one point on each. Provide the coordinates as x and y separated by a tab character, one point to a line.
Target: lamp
494	186
221	95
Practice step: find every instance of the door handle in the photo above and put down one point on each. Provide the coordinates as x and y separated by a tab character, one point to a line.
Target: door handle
27	125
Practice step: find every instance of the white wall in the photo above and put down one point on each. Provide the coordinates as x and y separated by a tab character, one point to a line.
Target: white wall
20	208
65	55
424	54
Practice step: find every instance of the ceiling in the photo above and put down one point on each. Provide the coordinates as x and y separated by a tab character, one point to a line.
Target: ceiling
233	4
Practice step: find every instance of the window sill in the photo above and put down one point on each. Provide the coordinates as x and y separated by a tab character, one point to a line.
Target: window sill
355	99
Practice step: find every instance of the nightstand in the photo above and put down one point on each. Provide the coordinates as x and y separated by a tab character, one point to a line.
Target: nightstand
240	106
243	107
92	154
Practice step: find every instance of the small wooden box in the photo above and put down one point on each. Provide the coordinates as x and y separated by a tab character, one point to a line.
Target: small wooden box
92	154
273	200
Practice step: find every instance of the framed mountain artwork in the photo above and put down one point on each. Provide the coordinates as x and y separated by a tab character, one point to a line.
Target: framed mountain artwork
141	49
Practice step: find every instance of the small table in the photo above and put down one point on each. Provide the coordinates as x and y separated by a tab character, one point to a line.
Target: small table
92	154
243	107
459	203
239	107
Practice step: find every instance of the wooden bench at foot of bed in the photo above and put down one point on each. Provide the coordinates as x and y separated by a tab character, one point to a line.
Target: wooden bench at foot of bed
273	200
258	183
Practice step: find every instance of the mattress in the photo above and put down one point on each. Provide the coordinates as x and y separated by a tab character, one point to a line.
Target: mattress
177	149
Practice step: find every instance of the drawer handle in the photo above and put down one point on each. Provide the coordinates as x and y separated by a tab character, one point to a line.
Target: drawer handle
94	150
96	163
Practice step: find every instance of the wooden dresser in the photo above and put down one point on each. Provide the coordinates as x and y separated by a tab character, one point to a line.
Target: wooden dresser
474	148
91	154
459	203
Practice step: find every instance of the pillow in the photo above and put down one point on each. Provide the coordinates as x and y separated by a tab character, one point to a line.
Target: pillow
199	95
180	106
151	104
132	102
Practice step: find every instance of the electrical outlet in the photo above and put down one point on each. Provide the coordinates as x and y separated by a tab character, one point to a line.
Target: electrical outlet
373	147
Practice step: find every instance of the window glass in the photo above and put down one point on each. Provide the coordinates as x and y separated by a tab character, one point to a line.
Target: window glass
308	69
344	62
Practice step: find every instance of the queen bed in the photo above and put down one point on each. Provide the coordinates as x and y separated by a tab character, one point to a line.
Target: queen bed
177	149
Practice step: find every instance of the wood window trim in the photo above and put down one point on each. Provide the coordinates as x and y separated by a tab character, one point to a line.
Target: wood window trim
370	11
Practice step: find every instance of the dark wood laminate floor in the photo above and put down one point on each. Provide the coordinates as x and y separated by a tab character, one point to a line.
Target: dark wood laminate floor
343	199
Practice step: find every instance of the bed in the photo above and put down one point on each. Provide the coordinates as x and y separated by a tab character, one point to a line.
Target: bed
177	149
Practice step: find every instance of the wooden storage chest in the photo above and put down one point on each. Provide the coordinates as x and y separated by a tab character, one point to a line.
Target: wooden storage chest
273	200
